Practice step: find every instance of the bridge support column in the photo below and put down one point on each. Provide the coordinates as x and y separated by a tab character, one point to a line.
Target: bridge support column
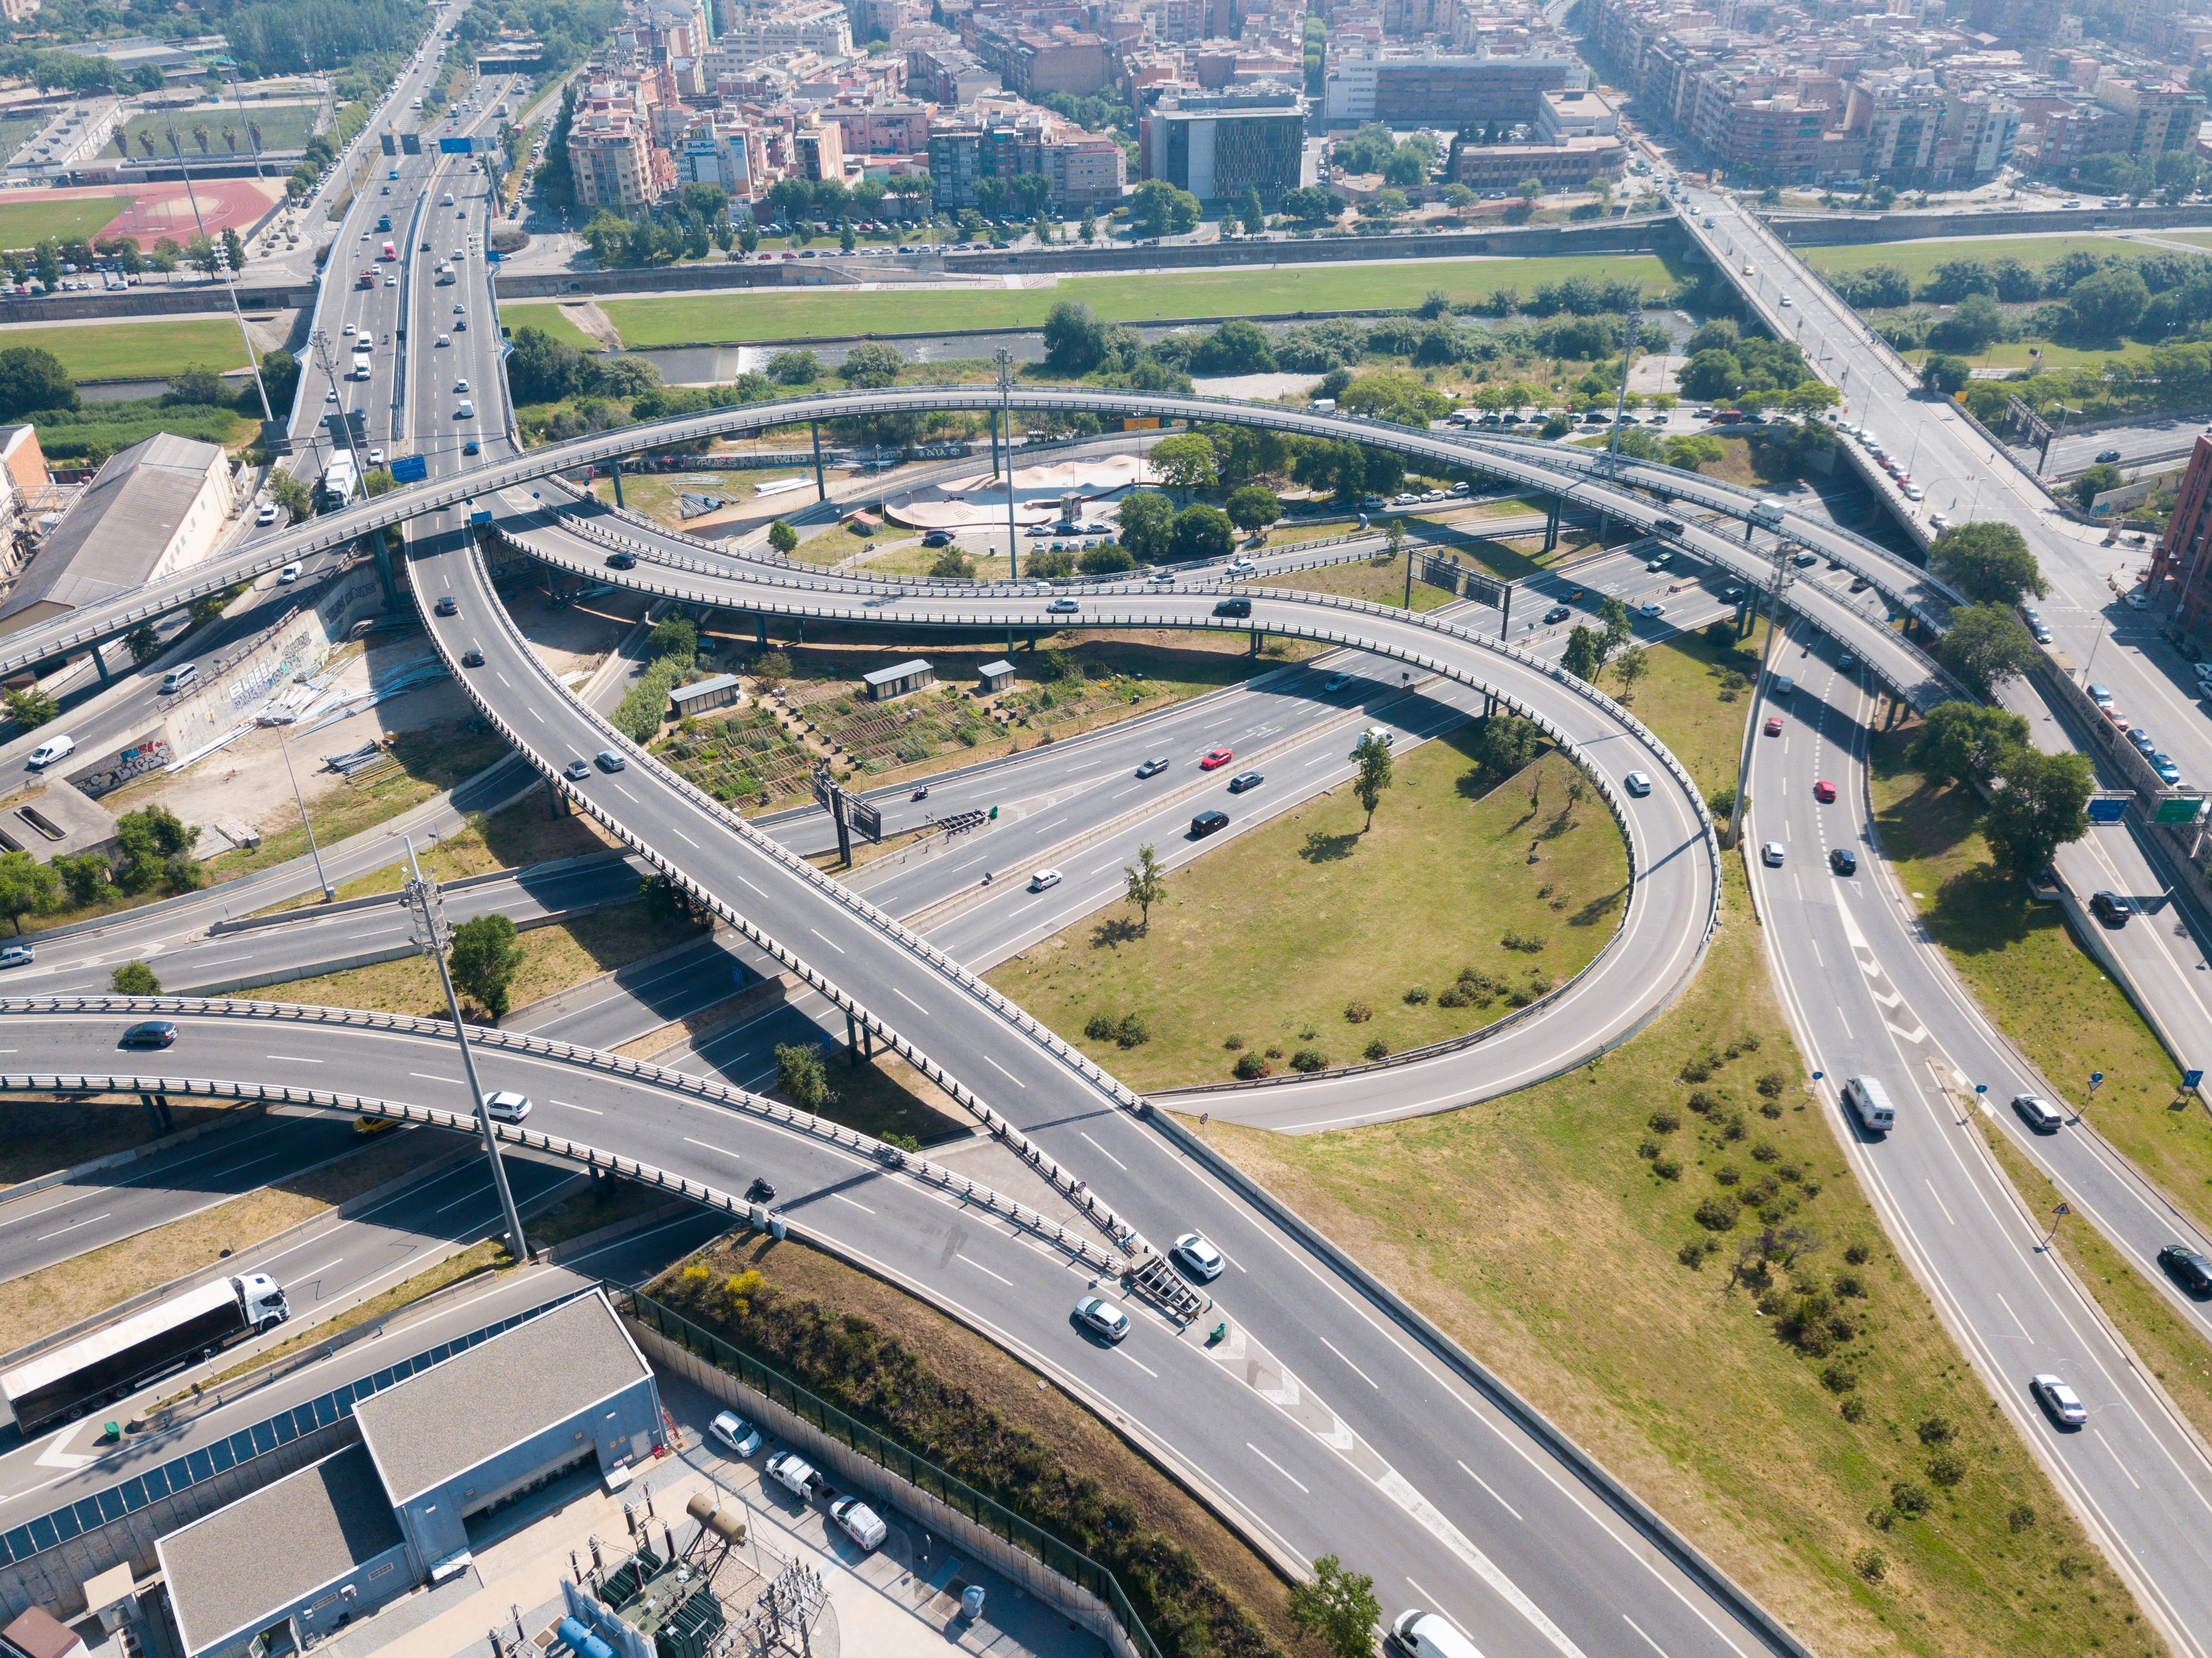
157	1112
852	1041
614	471
380	549
760	628
821	489
1257	637
1550	532
100	666
556	803
992	414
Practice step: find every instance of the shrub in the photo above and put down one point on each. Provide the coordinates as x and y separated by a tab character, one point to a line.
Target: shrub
1839	1378
1308	1059
1232	1044
1853	1409
1102	1027
1692	1254
1764	1152
1848	1283
1869	1565
1664	1121
1378	1049
1132	1031
2019	1518
1358	1012
1856	1253
1667	1168
1728	1174
1699	1067
1771	1084
1946	1468
1718	1212
1647	1148
1249	1065
1770	1109
1909	1498
1935	1430
1703	1102
1416	996
1528	943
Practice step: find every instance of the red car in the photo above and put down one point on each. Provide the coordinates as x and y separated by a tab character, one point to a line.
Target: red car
1774	725
1215	757
1824	790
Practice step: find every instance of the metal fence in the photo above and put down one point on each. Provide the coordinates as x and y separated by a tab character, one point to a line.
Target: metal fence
894	1458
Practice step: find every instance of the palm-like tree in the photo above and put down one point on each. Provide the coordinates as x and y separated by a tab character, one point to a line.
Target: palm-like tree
254	131
146	143
230	140
200	136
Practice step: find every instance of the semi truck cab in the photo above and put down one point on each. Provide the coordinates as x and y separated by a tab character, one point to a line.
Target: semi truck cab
262	1299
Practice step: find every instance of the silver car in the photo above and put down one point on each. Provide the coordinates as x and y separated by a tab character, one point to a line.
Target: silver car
1103	1317
2063	1404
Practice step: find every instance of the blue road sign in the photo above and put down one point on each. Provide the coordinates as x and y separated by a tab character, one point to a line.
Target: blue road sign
2095	1077
1981	1088
411	469
2108	808
2191	1078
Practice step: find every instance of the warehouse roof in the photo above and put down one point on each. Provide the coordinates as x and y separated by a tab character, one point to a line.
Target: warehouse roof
450	1418
115	532
245	1564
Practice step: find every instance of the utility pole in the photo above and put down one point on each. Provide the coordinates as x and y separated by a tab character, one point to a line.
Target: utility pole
1628	331
1005	362
322	344
1782	572
222	270
321	879
431	936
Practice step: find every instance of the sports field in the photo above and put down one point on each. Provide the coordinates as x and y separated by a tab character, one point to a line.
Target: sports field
26	224
285	127
1390	285
136	349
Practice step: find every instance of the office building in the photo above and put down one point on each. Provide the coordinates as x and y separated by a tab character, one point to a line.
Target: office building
1219	145
1408	89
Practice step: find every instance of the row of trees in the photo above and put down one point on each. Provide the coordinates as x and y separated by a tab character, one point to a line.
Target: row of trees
2089	296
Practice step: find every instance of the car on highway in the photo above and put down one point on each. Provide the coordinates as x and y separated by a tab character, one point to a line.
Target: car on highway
1208	823
1660	563
150	1033
1773	725
1161	577
349	330
289	574
2111	909
1806	561
461	385
1245	779
2063	1404
1823	791
1040	879
18	955
1335	682
610	761
2191	1270
1200	1258
447	606
391	282
2168	773
1233	607
266	516
1843	860
1062	607
859	1522
472	447
1214	759
794	1472
938	539
2041	632
507	1106
577	770
1651	610
1557	613
2106	457
1241	564
2039	1113
738	1436
1153	767
1636	784
1103	1317
622	560
1772	854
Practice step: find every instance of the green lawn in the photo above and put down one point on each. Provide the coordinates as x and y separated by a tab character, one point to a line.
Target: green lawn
547	318
135	350
285	127
1919	260
26	224
786	313
2036	982
1548	1231
2013	353
1280	937
1686	697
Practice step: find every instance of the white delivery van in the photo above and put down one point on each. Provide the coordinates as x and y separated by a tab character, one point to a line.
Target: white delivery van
446	200
1871	1104
1420	1634
466	411
53	749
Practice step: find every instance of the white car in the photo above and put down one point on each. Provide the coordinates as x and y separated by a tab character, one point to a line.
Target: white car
376	458
1772	854
445	339
2064	1405
738	1436
349	330
1636	784
1102	1316
267	515
1654	608
794	1472
289	574
1242	565
1203	1260
859	1522
507	1106
461	385
1042	879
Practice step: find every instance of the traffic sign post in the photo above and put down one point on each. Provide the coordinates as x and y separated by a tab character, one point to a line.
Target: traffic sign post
2192	1078
2096	1078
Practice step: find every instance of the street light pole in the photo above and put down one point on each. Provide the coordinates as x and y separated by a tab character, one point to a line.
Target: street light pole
321	879
431	936
1005	362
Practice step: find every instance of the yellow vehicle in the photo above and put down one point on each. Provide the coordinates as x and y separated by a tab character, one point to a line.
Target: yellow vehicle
365	1127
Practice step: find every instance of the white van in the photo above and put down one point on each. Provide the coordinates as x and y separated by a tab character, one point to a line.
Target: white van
1871	1104
466	411
1782	684
53	749
1420	1634
1380	734
446	200
178	679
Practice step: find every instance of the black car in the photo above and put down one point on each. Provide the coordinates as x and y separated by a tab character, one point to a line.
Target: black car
2106	457
2111	909
2187	1268
472	658
1668	526
449	606
1245	779
1233	607
1843	860
1206	823
622	560
1557	613
938	539
160	1033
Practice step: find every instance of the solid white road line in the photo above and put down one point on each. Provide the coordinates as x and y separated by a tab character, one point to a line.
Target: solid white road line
1338	1351
1278	1467
1494	1496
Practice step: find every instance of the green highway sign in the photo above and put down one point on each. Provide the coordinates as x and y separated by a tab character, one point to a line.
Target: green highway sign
2178	809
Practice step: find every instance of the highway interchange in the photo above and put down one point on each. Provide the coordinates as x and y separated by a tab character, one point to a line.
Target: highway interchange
1365	1426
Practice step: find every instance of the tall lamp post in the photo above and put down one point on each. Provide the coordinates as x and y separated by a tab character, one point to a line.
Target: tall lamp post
430	934
1005	362
315	852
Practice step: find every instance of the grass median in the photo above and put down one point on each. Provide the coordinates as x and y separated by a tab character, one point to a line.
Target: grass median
1313	936
136	349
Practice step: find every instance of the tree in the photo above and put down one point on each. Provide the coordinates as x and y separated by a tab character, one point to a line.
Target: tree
846	240
1585	652
800	1075
871	363
1103	558
1147	883
2107	303
33	381
143	643
134	979
147	840
1338	1609
83	873
1712	374
1989	563
483	960
1156	208
1629	667
782	537
794	367
1088	229
1254	508
1966	742
1076	338
1253	214
1985	646
27	886
1313	205
30	707
1202	531
952	564
1238	347
1147	519
297	500
2093	483
234	250
1947	376
1974	323
1184	462
2042	803
675	634
1619	627
1373	755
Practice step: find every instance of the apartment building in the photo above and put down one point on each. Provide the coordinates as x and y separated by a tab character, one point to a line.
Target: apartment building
1567	164
617	165
1434	89
816	25
2154	118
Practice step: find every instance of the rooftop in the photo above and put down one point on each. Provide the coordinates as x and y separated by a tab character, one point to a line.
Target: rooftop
451	1417
244	1563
